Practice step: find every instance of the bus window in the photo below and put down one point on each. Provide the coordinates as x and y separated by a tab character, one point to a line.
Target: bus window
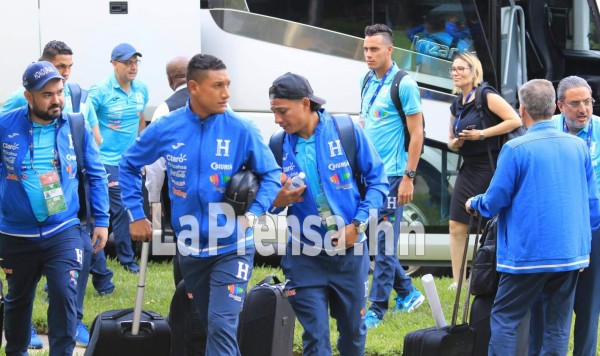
427	33
436	174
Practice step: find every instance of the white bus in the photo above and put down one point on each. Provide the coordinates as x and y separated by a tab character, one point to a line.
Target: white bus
322	39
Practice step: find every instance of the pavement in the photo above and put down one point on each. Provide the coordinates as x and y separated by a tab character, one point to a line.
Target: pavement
79	351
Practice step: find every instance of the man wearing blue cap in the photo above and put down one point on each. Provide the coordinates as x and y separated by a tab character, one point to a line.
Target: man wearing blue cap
120	102
61	56
39	228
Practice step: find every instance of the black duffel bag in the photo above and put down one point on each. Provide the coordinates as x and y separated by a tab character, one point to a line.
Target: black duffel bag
484	279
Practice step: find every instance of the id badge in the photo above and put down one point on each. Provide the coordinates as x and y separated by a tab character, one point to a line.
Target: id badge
361	120
53	194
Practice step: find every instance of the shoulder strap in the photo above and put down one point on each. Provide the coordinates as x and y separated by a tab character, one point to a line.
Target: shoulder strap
365	81
345	128
395	95
75	96
276	146
84	96
484	116
76	122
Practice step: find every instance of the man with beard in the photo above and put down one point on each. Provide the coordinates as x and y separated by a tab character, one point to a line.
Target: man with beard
39	228
61	56
120	102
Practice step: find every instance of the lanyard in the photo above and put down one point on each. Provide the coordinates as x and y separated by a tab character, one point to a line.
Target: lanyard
376	90
55	161
589	133
460	115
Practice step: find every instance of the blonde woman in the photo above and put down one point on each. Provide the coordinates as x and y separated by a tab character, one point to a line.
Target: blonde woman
471	138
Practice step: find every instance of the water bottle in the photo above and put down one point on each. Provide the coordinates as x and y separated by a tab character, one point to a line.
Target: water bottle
297	181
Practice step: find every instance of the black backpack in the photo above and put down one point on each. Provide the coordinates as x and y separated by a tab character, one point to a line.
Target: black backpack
395	96
78	96
489	119
485	278
345	129
77	124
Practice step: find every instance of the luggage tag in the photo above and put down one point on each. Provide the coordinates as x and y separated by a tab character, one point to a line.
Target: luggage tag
53	194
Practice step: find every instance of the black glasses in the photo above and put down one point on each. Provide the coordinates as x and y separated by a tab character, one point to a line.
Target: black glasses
577	103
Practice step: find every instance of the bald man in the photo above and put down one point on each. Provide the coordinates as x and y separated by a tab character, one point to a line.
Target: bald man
176	70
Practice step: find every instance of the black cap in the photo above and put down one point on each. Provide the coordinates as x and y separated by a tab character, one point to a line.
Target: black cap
293	86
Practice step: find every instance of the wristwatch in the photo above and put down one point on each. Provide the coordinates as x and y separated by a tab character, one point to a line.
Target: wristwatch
360	226
411	174
481	136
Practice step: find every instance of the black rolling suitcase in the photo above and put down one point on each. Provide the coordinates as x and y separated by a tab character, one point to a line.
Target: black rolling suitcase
134	331
267	321
188	337
451	340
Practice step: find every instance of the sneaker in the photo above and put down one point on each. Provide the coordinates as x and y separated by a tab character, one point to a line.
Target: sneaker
453	286
410	302
34	341
82	337
372	320
132	268
102	293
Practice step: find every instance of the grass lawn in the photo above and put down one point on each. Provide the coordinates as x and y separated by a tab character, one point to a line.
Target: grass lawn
387	339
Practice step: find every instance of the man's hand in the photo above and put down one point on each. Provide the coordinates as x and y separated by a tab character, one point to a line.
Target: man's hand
140	230
286	196
405	191
348	236
468	207
99	238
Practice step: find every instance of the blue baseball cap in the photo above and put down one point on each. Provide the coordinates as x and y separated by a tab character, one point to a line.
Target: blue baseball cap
123	52
38	74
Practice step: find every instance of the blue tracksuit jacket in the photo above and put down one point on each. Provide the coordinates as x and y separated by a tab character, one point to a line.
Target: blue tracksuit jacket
336	178
16	216
545	192
201	156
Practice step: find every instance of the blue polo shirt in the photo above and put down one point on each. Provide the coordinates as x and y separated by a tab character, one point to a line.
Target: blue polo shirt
44	138
119	116
17	100
559	120
383	124
306	155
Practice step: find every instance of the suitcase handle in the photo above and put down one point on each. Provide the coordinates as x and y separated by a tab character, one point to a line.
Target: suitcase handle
269	280
124	312
145	328
462	271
